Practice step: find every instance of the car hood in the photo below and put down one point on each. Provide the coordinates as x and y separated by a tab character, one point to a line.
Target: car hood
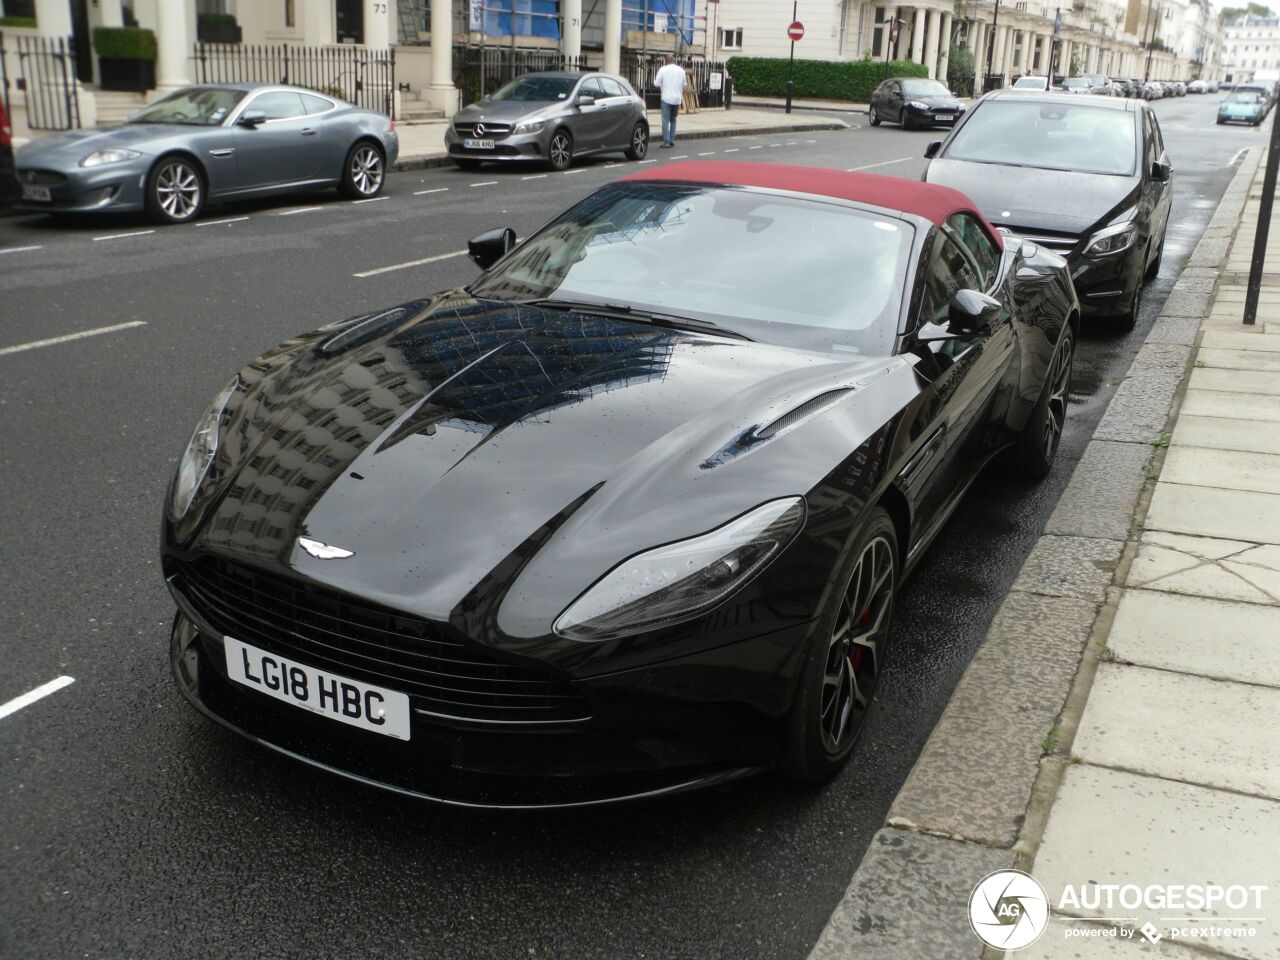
1026	199
938	103
451	449
75	145
504	111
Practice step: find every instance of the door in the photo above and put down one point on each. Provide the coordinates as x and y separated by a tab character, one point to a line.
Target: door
282	148
620	117
893	102
80	40
590	124
1158	193
350	20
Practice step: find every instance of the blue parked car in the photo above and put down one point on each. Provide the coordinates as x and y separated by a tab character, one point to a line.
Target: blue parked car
1243	106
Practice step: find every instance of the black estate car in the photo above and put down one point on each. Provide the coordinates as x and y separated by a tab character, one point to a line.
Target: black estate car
914	102
1088	178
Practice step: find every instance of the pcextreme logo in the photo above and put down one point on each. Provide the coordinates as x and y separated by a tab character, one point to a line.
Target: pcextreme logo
1008	909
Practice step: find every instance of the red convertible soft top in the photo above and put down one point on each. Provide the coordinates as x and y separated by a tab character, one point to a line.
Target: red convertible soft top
927	200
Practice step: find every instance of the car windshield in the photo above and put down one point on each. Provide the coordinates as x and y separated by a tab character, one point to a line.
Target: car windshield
198	106
536	89
1245	96
1064	135
1032	83
1075	83
924	88
806	273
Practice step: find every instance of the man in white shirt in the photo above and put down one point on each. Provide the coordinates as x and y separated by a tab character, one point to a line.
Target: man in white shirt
670	83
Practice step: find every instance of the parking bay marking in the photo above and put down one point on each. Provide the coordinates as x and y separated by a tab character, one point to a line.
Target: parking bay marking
121	236
411	263
51	341
882	163
39	693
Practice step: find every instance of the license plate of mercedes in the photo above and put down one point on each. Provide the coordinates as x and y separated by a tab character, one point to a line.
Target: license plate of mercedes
30	192
353	702
478	144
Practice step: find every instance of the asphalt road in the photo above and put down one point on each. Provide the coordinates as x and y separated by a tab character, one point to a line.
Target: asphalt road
131	827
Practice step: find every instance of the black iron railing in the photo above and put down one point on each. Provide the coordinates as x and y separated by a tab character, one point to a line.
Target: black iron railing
47	75
478	71
359	75
709	78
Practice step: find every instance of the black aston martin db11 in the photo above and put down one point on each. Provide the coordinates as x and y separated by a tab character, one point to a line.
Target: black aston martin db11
628	513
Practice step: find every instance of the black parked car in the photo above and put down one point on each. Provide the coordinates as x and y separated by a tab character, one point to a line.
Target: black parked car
1089	179
914	102
628	513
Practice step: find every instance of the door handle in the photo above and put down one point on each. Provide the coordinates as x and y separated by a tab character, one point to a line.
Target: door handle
308	132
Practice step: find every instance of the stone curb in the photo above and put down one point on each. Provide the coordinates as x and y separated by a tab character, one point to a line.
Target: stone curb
978	796
430	160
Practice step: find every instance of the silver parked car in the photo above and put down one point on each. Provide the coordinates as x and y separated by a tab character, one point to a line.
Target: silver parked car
551	118
209	143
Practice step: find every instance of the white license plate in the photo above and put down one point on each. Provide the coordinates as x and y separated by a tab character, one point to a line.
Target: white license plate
478	144
362	705
944	116
35	193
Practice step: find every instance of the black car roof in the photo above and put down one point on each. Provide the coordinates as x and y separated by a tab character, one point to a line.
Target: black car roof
1044	96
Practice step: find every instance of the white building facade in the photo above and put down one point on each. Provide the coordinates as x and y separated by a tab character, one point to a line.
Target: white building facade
1250	44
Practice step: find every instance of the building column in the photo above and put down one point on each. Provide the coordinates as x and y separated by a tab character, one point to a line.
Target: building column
917	36
979	46
934	21
173	46
318	26
944	41
53	18
1006	53
1064	58
442	94
571	36
378	31
612	36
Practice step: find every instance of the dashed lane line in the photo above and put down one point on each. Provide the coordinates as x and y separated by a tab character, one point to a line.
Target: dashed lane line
418	193
38	246
53	341
370	200
484	183
290	213
536	176
411	263
122	236
733	150
758	146
39	693
706	153
579	170
882	163
218	223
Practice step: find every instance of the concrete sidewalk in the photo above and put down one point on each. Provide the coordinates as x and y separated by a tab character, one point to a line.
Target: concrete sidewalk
1119	724
422	144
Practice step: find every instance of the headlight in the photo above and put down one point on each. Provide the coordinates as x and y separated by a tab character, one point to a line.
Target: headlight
530	126
917	105
1111	240
682	580
200	452
100	157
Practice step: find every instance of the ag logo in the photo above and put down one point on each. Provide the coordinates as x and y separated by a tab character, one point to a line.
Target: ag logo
1008	909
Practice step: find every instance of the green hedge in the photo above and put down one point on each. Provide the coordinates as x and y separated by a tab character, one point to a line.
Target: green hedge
216	19
124	43
17	22
819	79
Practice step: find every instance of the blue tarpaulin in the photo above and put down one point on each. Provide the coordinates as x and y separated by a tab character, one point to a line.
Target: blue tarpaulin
524	18
663	16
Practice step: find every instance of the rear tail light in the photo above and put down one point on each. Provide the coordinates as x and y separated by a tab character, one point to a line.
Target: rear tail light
6	131
392	128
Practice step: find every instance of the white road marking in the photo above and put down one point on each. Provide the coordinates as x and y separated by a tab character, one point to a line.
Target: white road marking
882	163
121	236
1236	159
706	153
608	165
758	146
775	144
811	141
683	156
792	143
411	263
536	176
648	161
484	183
370	199
418	193
39	693
290	213
22	249
733	150
214	223
579	170
35	344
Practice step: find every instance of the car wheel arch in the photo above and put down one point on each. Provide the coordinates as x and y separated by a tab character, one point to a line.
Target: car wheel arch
182	155
895	504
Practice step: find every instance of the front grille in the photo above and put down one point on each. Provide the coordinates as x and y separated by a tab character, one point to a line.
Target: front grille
44	178
492	131
353	638
1059	243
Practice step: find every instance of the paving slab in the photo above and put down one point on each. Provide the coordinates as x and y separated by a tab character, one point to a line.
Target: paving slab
1137	719
1139	410
1100	499
1221	434
1010	695
1232	406
1110	826
1241	339
1181	330
1226	469
1238	359
1207	567
1065	939
1200	511
1237	381
909	899
1212	638
1070	567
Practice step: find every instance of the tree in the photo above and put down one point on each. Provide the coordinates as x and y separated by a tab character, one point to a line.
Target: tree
960	71
1253	10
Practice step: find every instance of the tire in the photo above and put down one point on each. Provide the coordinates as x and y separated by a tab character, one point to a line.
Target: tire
363	172
873	118
1153	270
175	190
1034	451
639	142
560	150
842	670
1129	319
464	164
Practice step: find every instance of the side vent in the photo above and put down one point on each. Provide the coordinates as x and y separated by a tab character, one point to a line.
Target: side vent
805	410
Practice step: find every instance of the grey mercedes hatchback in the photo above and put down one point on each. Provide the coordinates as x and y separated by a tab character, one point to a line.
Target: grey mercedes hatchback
551	118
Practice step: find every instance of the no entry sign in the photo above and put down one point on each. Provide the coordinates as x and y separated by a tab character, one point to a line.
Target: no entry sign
796	30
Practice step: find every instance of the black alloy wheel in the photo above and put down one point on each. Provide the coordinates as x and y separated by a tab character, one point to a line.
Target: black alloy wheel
845	663
1033	454
175	191
639	142
560	150
872	117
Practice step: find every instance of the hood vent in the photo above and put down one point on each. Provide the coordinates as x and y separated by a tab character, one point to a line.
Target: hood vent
802	412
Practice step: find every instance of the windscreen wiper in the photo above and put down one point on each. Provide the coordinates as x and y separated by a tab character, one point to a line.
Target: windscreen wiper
628	312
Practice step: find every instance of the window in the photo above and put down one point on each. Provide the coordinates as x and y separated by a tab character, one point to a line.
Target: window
974	238
730	38
591	88
290	14
949	271
611	87
281	105
316	104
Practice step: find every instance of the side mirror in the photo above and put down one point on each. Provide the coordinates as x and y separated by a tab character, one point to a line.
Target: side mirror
585	100
491	246
251	118
971	311
932	149
1160	170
